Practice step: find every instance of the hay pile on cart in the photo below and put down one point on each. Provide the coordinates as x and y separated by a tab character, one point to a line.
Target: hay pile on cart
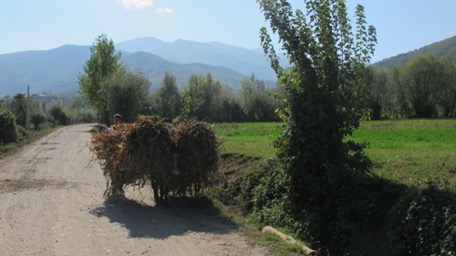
177	159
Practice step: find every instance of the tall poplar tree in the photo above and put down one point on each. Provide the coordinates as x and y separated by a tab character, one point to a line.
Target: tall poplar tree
103	62
323	90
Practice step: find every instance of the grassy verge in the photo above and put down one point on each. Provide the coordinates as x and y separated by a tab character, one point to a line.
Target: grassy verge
275	244
251	139
26	137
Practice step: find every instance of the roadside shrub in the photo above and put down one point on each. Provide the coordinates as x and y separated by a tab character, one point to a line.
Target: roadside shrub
349	220
80	116
58	115
87	117
8	132
22	132
37	120
267	195
424	223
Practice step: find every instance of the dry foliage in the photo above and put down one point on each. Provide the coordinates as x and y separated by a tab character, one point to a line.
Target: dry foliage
176	158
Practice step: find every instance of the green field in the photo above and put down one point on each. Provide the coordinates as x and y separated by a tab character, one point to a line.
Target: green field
412	152
251	139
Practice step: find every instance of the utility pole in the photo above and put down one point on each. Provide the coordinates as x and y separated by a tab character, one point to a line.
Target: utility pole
27	108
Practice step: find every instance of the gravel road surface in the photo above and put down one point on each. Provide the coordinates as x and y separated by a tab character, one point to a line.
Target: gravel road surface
51	204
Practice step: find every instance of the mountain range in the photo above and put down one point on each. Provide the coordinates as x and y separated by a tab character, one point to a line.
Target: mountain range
57	70
441	49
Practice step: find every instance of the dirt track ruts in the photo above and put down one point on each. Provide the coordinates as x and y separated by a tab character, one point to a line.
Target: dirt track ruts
51	204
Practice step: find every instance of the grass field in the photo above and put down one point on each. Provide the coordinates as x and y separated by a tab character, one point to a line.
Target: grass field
251	139
412	152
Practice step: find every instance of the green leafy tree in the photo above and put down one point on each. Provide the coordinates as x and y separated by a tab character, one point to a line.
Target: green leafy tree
37	120
167	99
59	116
256	103
8	132
446	91
230	107
20	106
5	102
323	90
202	97
420	80
103	62
126	93
377	91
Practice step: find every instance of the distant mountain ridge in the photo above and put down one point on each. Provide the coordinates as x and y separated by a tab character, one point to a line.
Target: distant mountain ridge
154	67
50	70
56	70
444	48
239	59
142	44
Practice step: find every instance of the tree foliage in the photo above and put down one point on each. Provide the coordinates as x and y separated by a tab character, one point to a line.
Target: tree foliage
20	106
257	104
103	62
167	99
59	115
424	84
202	97
323	86
377	92
230	107
8	132
323	90
126	93
37	120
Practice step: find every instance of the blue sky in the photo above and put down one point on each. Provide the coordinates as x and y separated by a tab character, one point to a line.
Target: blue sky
402	25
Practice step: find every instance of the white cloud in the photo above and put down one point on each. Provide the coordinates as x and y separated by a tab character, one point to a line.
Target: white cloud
135	4
164	11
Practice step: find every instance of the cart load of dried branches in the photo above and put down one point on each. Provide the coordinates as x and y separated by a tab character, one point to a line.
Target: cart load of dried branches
177	159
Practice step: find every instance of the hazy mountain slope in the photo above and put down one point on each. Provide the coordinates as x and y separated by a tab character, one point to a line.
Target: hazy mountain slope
236	58
444	48
144	44
155	67
57	70
239	59
51	70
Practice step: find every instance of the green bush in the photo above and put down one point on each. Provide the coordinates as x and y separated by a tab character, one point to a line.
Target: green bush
424	223
348	220
268	197
87	117
58	115
22	132
37	120
8	132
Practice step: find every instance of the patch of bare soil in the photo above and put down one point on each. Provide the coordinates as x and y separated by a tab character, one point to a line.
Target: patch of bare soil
233	166
9	186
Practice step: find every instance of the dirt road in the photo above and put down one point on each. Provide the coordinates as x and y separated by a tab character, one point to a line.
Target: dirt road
51	204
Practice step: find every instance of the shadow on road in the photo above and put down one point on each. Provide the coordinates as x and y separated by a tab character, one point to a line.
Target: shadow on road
179	217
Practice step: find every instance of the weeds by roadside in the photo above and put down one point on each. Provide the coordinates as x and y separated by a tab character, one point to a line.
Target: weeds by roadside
25	137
